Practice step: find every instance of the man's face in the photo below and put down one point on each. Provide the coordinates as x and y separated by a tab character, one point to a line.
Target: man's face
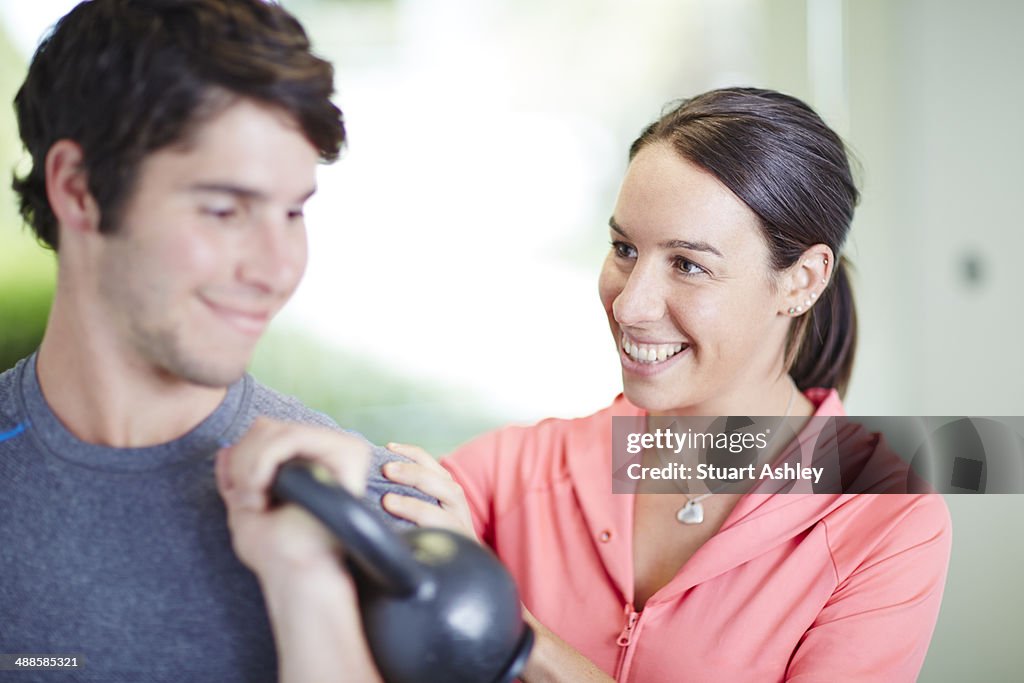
210	245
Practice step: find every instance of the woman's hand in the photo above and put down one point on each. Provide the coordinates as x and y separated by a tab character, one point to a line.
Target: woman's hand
426	474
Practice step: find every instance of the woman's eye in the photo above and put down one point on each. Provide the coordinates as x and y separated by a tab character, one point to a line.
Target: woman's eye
296	215
623	250
688	267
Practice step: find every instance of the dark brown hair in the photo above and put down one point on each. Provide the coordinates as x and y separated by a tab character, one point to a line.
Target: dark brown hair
777	155
124	78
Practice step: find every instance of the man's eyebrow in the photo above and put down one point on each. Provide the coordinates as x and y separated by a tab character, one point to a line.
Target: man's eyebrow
227	188
239	191
671	244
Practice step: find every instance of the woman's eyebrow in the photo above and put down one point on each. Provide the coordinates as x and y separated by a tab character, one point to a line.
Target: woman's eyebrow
613	224
671	244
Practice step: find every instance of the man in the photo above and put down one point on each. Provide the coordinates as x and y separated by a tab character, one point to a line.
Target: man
173	147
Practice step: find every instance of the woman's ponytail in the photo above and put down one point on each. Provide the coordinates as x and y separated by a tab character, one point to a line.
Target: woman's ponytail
824	341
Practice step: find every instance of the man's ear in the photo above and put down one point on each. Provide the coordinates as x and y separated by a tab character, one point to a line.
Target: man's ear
67	188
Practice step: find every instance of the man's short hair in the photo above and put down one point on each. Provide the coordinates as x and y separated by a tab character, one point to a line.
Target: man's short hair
124	78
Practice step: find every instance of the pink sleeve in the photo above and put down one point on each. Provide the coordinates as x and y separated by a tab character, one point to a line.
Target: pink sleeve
474	467
880	618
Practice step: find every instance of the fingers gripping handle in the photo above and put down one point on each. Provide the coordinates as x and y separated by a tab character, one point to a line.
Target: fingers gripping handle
379	553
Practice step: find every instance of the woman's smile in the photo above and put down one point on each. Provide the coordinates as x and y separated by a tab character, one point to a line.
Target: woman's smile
643	357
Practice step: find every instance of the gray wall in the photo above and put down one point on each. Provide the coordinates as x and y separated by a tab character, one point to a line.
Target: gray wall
935	99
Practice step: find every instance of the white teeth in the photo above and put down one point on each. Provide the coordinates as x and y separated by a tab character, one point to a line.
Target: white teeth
650	353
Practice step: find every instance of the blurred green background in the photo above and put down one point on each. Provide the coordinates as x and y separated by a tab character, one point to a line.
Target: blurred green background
26	270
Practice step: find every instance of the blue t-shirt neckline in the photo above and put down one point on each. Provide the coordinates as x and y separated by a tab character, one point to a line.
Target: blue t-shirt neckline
203	440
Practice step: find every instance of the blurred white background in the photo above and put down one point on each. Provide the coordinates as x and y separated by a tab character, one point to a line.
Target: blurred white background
459	239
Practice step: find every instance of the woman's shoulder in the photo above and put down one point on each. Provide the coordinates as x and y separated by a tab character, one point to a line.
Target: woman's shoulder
872	522
869	528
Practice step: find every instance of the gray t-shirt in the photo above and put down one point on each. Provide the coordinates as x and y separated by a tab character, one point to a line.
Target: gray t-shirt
122	555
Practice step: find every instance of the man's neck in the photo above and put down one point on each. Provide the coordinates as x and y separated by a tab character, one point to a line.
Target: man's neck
104	398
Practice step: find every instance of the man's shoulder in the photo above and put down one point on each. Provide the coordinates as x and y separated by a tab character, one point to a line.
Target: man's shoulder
268	402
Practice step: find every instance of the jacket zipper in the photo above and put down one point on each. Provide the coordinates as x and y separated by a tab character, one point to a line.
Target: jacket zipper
626	636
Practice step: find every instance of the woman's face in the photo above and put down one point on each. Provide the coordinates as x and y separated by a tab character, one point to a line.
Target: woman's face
696	311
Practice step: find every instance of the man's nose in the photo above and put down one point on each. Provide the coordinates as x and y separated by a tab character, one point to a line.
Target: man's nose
274	257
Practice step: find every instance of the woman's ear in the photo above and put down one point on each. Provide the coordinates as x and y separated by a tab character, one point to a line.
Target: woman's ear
806	279
67	188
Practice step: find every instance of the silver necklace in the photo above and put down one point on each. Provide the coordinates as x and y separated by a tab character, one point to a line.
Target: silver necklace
692	511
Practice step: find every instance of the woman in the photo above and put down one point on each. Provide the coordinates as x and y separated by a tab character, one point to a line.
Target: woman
726	294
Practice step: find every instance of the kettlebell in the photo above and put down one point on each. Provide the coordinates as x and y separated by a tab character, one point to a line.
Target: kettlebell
435	605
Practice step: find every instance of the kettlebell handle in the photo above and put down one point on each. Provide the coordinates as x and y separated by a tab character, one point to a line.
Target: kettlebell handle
380	554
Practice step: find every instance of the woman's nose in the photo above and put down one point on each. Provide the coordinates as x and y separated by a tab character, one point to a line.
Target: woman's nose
641	299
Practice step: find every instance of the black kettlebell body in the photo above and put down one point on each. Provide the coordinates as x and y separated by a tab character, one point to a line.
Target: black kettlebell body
460	620
435	605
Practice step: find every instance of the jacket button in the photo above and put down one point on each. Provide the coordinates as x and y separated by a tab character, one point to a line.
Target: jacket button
605	536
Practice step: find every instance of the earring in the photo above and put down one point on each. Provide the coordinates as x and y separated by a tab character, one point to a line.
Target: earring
791	310
814	295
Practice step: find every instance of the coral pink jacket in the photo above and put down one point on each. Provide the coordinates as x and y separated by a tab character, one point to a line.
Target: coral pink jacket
796	587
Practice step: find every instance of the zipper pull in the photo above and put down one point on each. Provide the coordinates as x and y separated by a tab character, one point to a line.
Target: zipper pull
627	631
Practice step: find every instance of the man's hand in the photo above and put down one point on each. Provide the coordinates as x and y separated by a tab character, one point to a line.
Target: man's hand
310	597
275	539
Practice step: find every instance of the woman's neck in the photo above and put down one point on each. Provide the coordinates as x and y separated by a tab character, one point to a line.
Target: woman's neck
776	397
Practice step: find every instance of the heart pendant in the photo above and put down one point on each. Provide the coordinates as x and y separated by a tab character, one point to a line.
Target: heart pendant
691	513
